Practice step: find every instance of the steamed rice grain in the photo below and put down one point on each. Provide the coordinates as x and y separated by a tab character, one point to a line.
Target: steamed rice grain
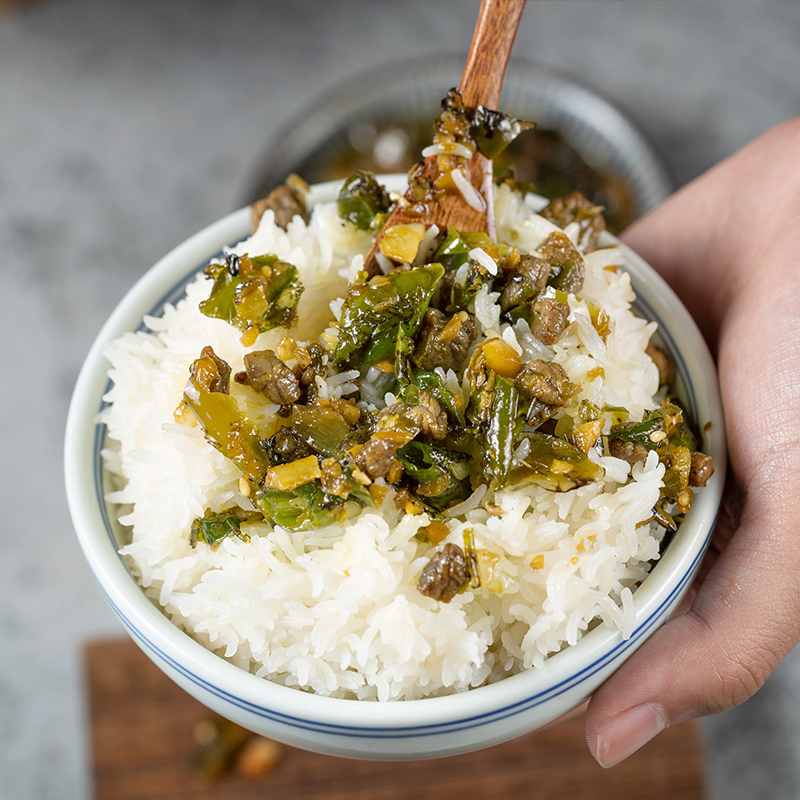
336	611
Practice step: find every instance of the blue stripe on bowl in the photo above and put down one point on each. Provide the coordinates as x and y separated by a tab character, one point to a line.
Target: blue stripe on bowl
408	731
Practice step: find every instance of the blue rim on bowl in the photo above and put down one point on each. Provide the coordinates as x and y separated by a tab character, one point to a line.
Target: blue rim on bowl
405	729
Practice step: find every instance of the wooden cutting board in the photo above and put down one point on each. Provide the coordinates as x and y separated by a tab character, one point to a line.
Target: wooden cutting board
143	747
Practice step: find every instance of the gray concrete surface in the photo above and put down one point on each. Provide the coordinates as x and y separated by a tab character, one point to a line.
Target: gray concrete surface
126	125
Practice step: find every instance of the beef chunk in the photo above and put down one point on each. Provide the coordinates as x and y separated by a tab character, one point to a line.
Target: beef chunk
665	365
427	416
576	208
267	374
398	424
627	451
545	381
378	457
286	446
333	478
286	201
701	470
432	418
567	269
551	320
526	283
445	574
220	380
442	342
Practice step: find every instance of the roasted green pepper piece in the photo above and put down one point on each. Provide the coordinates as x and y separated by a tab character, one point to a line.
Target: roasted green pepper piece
683	434
490	131
256	293
323	429
229	430
453	253
212	528
555	464
364	202
654	431
442	474
373	312
501	430
454	249
493	131
304	508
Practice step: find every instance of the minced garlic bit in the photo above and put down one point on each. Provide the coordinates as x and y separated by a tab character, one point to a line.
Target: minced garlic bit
183	415
286	477
378	492
361	477
248	338
436	532
286	348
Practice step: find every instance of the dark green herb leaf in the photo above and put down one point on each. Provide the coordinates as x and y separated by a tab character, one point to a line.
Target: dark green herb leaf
364	202
493	131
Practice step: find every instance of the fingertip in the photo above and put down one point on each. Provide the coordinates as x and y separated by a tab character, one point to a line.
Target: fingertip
619	737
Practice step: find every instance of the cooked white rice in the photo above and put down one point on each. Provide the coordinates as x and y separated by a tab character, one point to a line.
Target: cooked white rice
336	611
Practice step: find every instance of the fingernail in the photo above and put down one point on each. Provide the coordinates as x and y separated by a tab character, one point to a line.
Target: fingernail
628	732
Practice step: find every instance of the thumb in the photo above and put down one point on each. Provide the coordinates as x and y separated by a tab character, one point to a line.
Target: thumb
742	623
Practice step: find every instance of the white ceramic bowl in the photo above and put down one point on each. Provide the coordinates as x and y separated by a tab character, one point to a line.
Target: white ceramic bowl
367	729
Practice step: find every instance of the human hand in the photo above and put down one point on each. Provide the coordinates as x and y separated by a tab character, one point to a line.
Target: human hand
729	244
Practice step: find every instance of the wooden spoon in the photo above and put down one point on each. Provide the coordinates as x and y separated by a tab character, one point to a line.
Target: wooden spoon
481	84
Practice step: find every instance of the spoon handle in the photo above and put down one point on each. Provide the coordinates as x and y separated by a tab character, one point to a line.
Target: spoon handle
481	83
489	52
